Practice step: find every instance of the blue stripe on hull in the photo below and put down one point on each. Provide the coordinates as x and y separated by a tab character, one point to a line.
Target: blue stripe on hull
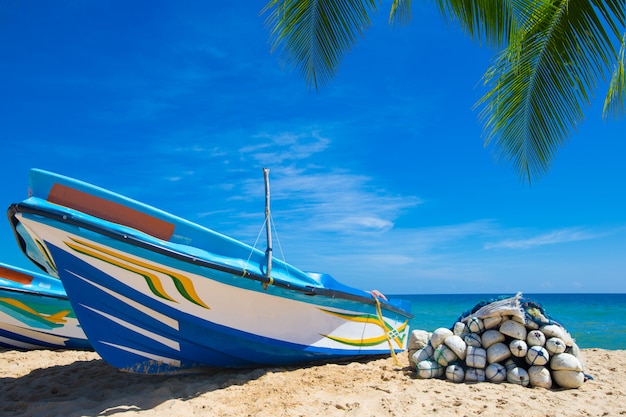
196	342
13	340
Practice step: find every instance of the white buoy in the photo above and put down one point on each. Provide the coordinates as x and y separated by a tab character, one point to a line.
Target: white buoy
459	329
475	325
518	376
565	362
554	330
492	322
455	373
536	338
457	345
554	345
518	348
498	352
510	364
490	337
429	369
444	355
439	335
474	375
574	350
540	377
495	372
531	325
476	357
537	355
418	339
423	354
513	329
568	379
473	339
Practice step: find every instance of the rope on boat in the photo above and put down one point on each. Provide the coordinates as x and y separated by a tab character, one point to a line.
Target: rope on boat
380	317
270	279
255	242
268	283
280	246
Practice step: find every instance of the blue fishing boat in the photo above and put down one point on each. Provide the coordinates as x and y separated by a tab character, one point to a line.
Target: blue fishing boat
158	294
35	312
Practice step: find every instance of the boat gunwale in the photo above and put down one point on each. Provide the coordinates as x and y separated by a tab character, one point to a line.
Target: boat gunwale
33	292
62	217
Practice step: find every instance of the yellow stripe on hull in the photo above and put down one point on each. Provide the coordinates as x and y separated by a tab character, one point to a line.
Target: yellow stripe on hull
57	318
370	318
183	284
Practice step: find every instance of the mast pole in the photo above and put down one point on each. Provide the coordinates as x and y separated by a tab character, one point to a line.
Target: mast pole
268	228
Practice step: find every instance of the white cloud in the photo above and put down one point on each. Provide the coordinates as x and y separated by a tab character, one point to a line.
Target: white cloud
275	149
566	235
318	200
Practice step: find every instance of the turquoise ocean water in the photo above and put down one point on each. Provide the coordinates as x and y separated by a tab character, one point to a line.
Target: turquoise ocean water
594	320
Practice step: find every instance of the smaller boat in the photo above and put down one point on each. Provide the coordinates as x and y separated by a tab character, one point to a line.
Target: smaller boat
35	312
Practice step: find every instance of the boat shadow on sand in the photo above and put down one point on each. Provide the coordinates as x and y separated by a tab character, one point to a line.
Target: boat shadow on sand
93	387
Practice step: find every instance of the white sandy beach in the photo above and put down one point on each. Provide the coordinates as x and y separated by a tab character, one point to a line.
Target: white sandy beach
76	383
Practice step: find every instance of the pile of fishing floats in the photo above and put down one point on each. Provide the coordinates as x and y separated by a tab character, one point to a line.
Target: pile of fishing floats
509	340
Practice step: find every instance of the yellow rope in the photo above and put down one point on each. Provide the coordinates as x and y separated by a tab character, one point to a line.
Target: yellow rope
268	283
380	316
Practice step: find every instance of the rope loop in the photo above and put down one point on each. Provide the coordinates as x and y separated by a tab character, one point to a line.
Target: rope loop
380	316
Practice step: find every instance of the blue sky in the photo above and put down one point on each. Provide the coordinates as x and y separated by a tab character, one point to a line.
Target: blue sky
380	179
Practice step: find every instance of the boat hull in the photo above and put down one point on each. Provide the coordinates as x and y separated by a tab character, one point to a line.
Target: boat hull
148	305
35	313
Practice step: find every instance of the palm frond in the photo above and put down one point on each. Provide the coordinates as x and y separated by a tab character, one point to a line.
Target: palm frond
400	11
541	81
314	35
614	104
487	21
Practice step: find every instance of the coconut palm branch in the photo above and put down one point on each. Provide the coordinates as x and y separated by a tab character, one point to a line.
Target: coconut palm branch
488	21
313	36
540	83
556	51
614	103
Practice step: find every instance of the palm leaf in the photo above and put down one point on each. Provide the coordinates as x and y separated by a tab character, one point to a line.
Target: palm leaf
400	11
541	81
314	35
614	103
483	20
